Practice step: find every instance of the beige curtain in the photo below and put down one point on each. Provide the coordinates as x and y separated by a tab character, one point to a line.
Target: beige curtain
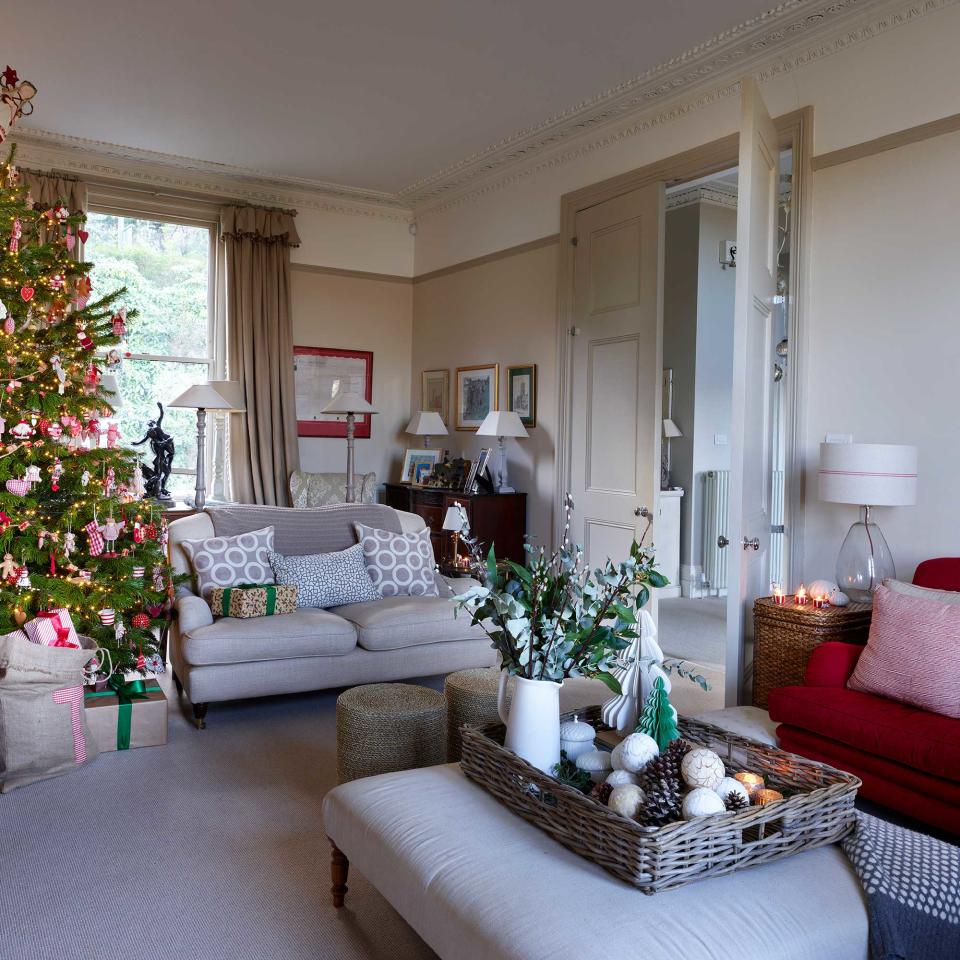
48	189
263	442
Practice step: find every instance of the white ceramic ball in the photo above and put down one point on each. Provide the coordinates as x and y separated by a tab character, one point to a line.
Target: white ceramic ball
633	753
617	778
839	599
728	785
626	800
701	802
701	767
595	762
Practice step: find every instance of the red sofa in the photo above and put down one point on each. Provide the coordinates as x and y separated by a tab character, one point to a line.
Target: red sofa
907	758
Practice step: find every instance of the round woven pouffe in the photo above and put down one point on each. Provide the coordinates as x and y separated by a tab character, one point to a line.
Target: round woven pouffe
384	727
471	698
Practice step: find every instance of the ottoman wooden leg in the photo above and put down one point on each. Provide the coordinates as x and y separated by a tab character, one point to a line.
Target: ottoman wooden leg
339	868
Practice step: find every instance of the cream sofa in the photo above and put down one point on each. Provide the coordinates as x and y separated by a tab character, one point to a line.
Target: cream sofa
310	649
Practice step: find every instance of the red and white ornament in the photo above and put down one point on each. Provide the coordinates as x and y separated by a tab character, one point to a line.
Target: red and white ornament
140	620
16	232
22	430
107	616
84	339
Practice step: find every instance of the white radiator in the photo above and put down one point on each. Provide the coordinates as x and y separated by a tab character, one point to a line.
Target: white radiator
776	530
716	487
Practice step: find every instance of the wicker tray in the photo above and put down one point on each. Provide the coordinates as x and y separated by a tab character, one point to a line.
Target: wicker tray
660	858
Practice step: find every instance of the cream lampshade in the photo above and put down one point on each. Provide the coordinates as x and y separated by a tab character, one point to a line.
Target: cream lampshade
670	432
351	404
871	475
427	424
202	397
502	424
455	521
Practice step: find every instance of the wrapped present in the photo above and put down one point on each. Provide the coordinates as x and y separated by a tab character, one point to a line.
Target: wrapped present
247	600
128	713
52	628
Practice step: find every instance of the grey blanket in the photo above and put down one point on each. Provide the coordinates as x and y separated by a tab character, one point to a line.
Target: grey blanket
912	886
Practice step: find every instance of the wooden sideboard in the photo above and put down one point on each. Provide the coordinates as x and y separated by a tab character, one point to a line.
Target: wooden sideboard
497	518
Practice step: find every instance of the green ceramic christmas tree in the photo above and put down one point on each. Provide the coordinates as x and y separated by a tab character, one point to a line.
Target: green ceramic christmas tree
658	718
74	532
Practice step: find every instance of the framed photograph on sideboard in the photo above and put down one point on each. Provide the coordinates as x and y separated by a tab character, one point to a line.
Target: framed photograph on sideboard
477	394
319	374
413	459
522	392
435	393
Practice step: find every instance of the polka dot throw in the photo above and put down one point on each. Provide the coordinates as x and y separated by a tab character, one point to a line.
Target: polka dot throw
399	564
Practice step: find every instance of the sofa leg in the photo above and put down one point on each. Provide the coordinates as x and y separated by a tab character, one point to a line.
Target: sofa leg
199	715
178	684
339	868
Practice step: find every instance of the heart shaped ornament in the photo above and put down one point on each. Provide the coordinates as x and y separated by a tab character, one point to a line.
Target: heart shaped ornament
27	293
83	234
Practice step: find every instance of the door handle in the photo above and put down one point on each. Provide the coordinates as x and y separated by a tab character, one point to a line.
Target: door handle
641	512
722	541
755	543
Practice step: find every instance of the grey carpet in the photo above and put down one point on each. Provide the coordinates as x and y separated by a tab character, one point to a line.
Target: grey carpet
693	629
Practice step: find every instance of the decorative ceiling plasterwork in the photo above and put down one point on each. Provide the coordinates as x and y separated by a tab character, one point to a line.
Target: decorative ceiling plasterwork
793	35
715	194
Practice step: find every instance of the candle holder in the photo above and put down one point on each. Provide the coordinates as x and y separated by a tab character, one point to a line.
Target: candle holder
820	603
801	599
765	796
752	782
779	598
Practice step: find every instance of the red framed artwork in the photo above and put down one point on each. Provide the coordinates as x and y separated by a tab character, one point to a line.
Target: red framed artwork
319	374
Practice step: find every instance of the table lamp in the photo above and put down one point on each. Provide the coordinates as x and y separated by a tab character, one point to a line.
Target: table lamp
427	424
670	432
869	475
502	424
454	520
350	403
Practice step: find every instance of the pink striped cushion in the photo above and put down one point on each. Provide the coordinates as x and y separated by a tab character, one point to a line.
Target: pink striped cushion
913	654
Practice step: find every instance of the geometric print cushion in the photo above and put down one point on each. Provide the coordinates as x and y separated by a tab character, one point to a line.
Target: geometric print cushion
326	579
399	564
225	561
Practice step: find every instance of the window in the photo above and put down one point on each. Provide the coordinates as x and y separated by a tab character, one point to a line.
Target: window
168	264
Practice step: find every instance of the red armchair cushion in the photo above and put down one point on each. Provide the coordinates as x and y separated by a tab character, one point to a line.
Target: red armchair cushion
913	653
941	573
916	738
831	664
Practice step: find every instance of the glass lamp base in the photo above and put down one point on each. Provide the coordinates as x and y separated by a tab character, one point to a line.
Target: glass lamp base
864	562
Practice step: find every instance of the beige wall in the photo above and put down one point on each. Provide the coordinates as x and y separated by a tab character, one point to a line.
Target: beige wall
499	312
360	313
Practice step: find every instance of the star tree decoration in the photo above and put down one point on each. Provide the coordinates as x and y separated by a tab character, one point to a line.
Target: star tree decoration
74	532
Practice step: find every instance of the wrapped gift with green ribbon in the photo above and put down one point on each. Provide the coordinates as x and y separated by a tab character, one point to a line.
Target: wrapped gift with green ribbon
128	713
246	600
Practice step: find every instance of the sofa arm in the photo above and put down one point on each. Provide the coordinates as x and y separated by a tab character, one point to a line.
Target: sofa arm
831	664
193	612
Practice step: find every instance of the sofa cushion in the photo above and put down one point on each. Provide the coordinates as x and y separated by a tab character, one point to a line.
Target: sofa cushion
303	633
912	653
395	622
399	564
916	738
326	579
924	593
227	561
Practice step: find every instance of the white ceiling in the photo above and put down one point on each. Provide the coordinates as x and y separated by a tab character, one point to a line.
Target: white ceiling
375	94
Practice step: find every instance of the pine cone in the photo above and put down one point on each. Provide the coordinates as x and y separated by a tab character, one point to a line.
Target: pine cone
601	792
666	766
661	804
734	801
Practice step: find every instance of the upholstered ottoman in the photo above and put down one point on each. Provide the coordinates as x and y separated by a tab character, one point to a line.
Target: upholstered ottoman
478	883
383	727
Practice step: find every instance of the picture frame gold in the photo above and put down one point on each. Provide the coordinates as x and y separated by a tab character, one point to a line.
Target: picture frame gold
478	392
435	393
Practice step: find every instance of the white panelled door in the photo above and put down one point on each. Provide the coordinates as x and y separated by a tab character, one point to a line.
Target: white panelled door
616	360
750	449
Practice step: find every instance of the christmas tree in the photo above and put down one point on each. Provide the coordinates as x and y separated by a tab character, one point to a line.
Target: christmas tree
75	534
658	718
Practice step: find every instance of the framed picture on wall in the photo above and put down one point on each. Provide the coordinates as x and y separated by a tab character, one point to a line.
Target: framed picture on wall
319	374
435	393
522	392
477	394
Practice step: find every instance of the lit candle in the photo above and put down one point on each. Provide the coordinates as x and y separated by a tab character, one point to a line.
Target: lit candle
766	796
752	782
802	598
821	603
779	597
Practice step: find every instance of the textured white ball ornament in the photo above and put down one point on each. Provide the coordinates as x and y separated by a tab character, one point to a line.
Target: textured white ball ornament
617	778
728	785
626	800
702	768
700	802
596	763
839	599
633	753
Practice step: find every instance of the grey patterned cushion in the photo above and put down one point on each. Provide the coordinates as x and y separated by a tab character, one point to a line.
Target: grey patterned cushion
225	561
326	579
399	564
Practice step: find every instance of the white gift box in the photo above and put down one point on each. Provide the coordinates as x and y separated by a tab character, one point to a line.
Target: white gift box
53	628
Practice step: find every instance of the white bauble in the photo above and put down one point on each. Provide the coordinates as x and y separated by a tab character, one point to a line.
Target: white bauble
728	785
702	768
700	802
822	588
633	753
626	800
617	778
839	599
595	762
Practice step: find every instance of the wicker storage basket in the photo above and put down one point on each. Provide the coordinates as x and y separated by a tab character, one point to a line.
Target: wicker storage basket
785	636
661	858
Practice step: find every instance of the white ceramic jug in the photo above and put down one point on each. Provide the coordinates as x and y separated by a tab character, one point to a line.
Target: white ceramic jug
533	721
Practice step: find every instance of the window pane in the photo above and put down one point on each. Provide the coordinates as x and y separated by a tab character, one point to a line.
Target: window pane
142	384
165	268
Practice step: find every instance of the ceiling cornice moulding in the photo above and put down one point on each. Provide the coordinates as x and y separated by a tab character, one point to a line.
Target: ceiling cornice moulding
715	194
162	172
